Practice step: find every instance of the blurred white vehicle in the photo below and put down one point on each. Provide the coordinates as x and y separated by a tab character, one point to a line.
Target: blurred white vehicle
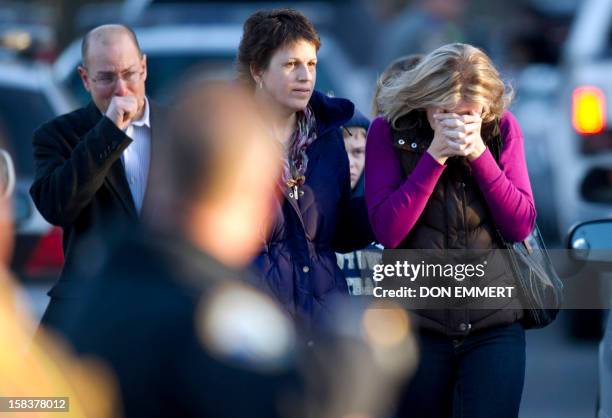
580	144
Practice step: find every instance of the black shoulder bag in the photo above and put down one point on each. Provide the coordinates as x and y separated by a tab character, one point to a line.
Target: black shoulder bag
539	286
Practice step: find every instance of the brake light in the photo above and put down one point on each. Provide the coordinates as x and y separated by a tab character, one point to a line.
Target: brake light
48	256
588	110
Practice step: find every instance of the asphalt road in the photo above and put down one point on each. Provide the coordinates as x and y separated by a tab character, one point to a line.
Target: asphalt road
561	374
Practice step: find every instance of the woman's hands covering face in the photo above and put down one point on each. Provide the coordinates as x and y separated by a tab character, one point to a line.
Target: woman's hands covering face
456	135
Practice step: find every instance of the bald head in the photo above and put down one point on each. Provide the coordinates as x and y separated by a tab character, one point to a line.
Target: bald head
107	35
113	66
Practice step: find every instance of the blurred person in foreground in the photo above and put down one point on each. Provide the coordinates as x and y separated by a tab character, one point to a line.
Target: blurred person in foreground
170	312
41	368
277	61
167	311
92	164
445	169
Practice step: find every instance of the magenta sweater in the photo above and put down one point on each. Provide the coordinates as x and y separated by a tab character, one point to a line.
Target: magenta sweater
395	204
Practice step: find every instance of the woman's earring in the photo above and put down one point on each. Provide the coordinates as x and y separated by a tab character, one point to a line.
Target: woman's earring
260	83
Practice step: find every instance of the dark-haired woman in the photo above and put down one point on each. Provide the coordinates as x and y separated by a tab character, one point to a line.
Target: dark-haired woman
277	59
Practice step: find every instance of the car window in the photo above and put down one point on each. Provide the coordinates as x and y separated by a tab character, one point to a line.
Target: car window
21	112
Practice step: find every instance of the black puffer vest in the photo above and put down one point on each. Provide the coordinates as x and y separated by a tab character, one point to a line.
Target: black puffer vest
455	217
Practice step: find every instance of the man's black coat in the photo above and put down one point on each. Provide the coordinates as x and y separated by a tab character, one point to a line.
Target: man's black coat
80	185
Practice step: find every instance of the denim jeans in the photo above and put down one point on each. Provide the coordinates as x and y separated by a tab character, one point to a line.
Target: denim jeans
480	376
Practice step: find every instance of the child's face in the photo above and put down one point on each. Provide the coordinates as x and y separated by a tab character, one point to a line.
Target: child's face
355	148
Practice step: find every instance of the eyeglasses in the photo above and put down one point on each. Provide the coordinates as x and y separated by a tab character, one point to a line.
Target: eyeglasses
109	79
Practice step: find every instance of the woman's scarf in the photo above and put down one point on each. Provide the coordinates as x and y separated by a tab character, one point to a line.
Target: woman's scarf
296	161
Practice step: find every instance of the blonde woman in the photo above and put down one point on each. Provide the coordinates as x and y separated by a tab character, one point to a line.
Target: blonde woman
445	169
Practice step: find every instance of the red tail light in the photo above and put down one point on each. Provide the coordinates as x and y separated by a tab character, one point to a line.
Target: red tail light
48	257
588	110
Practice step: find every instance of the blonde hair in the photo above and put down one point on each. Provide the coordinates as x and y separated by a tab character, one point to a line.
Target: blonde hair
443	78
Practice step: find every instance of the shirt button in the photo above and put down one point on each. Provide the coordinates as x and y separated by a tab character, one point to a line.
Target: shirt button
463	327
305	269
401	142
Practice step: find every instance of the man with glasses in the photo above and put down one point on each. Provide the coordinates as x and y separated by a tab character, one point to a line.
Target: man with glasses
92	165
